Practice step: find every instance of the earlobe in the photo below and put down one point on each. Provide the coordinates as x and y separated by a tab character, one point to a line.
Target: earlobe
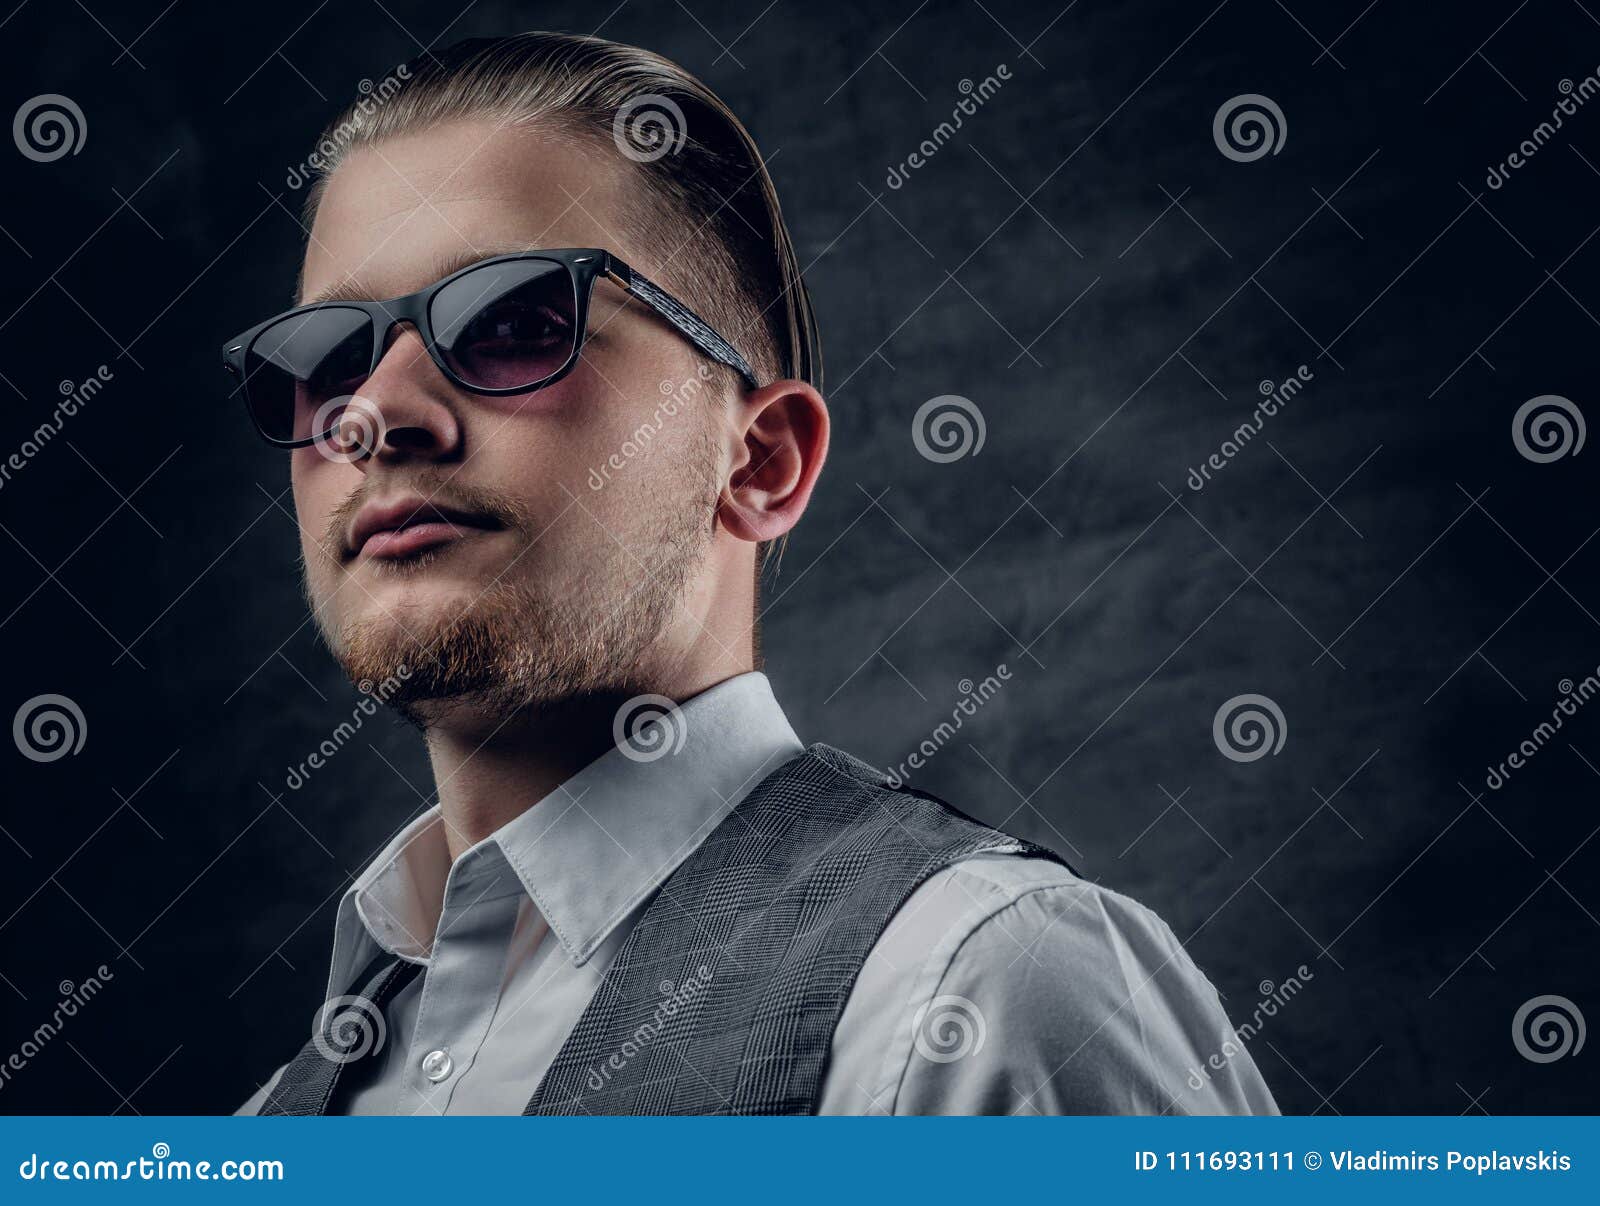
785	441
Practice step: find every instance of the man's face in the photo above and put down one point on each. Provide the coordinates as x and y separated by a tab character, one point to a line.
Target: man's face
542	586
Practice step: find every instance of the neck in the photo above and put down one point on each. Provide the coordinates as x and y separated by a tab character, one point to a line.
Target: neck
489	770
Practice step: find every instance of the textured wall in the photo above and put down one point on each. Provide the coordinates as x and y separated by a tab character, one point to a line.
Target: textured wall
1107	288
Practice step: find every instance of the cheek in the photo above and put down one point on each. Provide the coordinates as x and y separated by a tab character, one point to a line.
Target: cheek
319	485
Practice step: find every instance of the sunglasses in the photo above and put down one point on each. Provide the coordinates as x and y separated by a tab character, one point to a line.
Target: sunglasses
506	325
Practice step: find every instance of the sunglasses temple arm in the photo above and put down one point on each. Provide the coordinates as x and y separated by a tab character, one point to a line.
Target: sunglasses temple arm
693	327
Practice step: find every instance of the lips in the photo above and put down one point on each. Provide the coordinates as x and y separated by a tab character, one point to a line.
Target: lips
406	526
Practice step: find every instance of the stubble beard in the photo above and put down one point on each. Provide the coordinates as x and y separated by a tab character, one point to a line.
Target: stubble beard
519	647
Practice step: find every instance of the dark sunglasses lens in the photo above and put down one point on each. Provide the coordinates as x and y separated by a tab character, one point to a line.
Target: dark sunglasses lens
298	368
507	326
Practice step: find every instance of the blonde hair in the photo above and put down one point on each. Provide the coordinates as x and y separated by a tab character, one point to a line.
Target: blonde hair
703	172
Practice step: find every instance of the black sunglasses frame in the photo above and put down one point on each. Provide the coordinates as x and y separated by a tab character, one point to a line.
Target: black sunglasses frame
584	265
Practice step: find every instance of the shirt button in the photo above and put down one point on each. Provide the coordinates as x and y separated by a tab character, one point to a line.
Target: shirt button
436	1065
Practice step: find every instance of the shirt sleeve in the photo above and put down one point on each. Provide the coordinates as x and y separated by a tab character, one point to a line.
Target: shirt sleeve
1010	986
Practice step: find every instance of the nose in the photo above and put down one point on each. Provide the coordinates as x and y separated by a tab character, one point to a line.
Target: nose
405	409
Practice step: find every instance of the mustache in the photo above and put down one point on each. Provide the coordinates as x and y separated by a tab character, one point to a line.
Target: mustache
495	505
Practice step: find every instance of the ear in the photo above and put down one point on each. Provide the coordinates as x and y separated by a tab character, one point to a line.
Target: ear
782	429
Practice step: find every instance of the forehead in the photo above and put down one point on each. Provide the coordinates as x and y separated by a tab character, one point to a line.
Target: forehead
395	210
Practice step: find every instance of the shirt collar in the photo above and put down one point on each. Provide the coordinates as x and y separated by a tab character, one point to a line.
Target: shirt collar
591	851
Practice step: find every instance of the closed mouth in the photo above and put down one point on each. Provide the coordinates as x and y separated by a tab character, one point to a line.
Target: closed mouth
408	526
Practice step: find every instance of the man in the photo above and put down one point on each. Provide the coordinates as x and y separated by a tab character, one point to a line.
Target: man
553	399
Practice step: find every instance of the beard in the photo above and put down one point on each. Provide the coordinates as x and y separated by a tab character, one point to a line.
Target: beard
524	646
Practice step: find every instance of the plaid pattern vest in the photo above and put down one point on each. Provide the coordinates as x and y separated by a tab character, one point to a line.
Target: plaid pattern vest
724	998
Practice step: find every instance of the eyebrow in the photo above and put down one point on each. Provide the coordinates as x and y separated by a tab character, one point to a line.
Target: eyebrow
351	288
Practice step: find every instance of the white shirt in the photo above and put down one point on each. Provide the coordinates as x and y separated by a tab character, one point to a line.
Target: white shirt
1004	985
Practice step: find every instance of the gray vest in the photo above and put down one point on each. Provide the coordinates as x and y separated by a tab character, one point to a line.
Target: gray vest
724	998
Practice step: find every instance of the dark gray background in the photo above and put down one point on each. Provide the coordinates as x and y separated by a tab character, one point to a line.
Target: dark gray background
1085	266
